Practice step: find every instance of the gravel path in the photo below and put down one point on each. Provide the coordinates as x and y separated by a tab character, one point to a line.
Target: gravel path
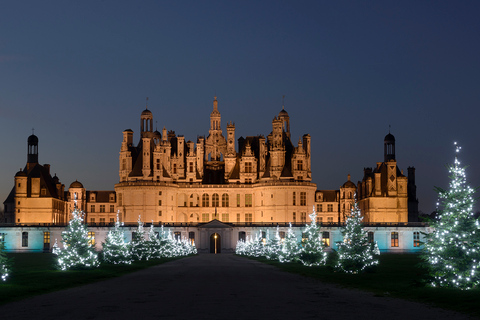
220	286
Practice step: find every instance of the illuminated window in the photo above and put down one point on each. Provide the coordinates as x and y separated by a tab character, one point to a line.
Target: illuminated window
248	200
281	234
326	238
225	200
205	200
24	239
46	237
416	239
394	239
248	217
248	167
294	202
370	237
303	198
102	208
215	200
205	217
191	237
330	207
238	200
91	238
225	217
177	235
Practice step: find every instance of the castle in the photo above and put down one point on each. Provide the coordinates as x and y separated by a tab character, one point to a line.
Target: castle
167	180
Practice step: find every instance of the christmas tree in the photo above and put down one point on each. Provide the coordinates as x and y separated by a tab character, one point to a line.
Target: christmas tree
289	247
115	250
139	246
452	250
312	253
4	261
273	247
78	249
153	244
355	254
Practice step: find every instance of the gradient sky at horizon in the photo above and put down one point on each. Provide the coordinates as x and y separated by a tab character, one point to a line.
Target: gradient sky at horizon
79	73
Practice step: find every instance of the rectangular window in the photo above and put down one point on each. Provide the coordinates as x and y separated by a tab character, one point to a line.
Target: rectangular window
159	202
160	213
174	168
91	238
248	167
112	208
294	217
300	165
319	220
330	207
242	236
326	238
294	202
112	220
205	217
303	216
190	167
319	208
102	221
177	235
394	239
416	239
330	219
225	217
46	237
120	202
248	217
238	217
92	208
92	220
191	237
238	200
303	198
281	234
24	239
102	208
370	237
248	200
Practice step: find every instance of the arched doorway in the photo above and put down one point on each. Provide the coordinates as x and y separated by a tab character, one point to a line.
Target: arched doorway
215	243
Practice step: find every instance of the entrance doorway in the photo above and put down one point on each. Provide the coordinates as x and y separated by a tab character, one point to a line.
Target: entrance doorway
215	243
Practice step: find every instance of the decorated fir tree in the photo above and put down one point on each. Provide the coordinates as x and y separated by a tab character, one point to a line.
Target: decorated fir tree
273	247
312	253
139	246
355	254
290	247
452	250
115	249
5	262
78	250
153	244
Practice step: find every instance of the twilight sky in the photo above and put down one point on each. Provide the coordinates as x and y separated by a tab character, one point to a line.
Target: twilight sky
79	72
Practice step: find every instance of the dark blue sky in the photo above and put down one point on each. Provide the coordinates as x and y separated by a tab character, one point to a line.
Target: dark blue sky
79	72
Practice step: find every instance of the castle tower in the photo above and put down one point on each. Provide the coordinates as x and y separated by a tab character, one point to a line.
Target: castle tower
146	123
389	147
215	144
32	157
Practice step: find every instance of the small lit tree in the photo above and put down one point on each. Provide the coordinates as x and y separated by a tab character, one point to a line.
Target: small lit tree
290	249
5	262
312	253
273	247
452	250
355	254
153	244
115	249
139	246
78	249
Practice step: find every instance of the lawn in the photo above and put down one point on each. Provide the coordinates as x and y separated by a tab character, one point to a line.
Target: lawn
35	273
398	275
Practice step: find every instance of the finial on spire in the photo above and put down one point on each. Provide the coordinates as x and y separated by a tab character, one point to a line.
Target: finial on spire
33	131
389	127
146	103
283	102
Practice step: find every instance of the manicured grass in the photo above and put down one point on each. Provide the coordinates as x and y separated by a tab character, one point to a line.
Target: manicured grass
35	273
398	275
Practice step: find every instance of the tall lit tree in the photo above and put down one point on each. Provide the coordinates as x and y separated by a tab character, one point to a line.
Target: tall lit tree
139	246
78	249
312	253
153	244
452	250
115	249
355	254
273	247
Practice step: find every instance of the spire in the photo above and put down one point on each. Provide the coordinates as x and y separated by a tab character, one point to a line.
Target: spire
146	104
283	102
215	104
